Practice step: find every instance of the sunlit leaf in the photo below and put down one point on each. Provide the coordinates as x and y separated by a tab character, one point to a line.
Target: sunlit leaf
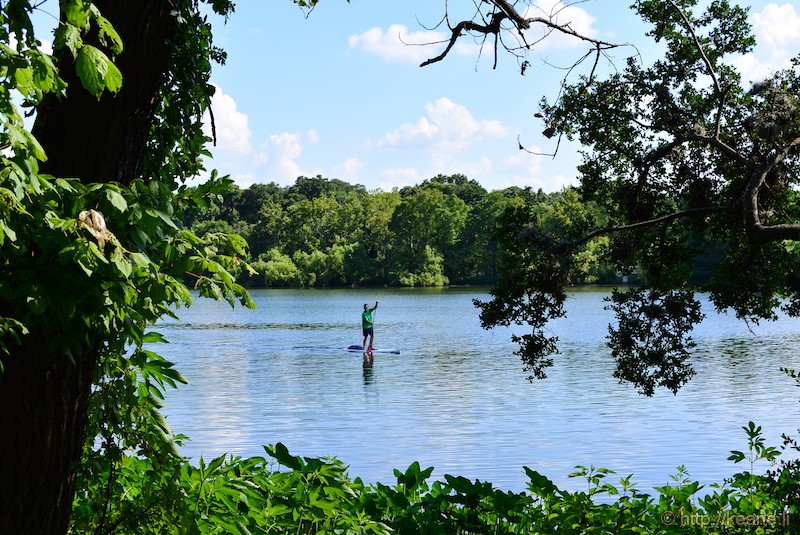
117	200
96	72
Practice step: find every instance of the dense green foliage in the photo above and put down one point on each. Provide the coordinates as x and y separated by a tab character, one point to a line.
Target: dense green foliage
322	232
290	494
683	159
89	263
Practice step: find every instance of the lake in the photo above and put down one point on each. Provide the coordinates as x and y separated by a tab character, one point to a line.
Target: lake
456	397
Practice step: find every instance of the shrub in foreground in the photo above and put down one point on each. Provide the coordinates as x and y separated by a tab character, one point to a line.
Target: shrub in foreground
283	493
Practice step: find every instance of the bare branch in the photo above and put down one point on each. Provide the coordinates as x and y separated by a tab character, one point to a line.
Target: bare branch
759	233
467	25
512	14
534	153
213	126
505	11
693	212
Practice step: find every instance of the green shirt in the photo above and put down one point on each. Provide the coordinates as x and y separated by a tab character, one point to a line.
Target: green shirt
366	318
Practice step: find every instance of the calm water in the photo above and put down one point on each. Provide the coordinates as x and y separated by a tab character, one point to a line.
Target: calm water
456	398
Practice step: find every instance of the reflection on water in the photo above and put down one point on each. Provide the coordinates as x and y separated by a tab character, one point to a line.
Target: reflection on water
456	398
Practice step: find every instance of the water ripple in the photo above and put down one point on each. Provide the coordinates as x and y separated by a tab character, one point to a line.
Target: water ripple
456	397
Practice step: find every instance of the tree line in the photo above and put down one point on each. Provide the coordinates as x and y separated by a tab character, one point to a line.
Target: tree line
322	232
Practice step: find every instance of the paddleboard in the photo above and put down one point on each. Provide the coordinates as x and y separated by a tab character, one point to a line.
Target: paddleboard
374	350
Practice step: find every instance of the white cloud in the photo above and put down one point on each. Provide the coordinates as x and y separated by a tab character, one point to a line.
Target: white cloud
350	167
479	167
457	128
398	44
447	127
777	26
46	47
777	31
232	129
276	158
279	154
398	177
578	20
449	137
410	134
523	162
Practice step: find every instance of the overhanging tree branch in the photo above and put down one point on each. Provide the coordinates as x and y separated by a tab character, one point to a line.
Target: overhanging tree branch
760	233
681	136
456	33
502	11
693	212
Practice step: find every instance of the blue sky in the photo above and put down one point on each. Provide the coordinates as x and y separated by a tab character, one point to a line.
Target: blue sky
340	93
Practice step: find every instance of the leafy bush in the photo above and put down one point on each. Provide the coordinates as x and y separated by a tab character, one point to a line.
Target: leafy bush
302	495
431	274
275	269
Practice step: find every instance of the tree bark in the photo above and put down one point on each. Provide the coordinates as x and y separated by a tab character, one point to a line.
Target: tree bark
44	398
105	140
43	393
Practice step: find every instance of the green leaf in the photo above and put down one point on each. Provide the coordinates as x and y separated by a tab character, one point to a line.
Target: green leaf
23	79
214	465
173	376
114	78
122	264
65	185
153	337
237	244
96	72
117	200
76	13
540	484
140	260
165	217
68	36
736	456
459	483
16	135
7	231
109	36
282	455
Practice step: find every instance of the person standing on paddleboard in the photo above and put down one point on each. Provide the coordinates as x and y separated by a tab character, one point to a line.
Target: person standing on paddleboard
366	326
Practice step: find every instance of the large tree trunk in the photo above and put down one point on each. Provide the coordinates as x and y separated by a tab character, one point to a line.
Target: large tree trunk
43	394
44	398
105	141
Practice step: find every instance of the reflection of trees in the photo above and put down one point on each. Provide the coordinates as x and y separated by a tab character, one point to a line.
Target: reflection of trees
679	156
